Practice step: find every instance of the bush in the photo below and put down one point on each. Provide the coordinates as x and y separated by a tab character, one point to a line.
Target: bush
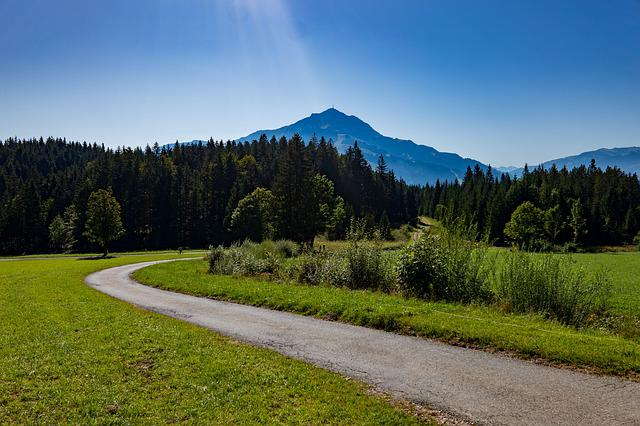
214	257
317	268
421	270
636	240
335	271
237	260
306	268
551	285
250	258
544	246
446	266
361	265
287	248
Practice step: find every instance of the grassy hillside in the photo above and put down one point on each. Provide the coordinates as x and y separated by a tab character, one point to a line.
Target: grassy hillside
69	354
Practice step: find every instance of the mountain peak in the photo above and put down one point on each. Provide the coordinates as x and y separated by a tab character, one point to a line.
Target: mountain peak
330	111
334	116
414	163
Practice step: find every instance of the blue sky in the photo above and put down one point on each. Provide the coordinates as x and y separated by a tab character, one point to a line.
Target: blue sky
505	82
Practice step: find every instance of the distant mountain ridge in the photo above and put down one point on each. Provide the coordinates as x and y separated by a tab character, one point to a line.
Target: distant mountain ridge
421	164
416	164
626	159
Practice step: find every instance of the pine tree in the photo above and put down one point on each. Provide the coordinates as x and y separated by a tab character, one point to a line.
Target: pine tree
294	194
385	227
577	222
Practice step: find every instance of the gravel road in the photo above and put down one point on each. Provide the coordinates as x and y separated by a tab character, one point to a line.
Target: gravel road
469	384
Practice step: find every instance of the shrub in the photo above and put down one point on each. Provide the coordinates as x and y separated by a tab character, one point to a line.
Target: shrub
251	258
361	265
551	285
238	260
335	271
446	266
287	248
317	268
214	257
421	270
306	268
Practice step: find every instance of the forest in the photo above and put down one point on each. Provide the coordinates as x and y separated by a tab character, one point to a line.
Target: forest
194	195
218	192
543	208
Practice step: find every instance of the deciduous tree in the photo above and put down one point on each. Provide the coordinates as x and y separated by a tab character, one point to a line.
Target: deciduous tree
104	224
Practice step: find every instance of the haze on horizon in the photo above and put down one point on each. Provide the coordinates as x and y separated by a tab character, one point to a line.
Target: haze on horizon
502	82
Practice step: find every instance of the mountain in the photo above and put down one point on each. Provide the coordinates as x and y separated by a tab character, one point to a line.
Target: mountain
416	164
626	159
508	169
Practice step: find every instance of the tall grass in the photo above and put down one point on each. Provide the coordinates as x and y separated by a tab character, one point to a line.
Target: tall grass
361	264
249	258
366	265
551	285
307	268
447	264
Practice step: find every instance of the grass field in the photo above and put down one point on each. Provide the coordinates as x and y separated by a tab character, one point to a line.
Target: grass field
69	354
477	326
324	244
624	269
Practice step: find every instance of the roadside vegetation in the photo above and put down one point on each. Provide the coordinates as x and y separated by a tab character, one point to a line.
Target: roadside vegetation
443	284
444	263
69	354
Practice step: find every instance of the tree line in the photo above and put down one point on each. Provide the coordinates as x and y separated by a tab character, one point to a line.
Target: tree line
543	207
194	195
215	192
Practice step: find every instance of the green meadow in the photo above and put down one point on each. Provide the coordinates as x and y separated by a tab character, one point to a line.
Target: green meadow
624	270
69	354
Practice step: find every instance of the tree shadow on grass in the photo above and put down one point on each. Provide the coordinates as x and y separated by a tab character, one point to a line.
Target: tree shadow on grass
100	257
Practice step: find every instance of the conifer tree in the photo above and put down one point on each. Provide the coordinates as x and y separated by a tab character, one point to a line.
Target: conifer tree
293	191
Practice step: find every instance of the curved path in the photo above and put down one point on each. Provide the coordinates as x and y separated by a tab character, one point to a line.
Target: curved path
469	384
